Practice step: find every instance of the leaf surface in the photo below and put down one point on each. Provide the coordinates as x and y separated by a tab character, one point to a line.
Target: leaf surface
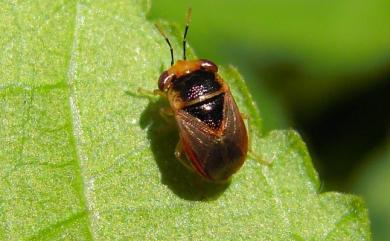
84	157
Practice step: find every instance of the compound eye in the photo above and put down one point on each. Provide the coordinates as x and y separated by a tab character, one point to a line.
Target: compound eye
165	80
209	66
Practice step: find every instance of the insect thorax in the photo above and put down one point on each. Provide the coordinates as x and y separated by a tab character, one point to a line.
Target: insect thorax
196	85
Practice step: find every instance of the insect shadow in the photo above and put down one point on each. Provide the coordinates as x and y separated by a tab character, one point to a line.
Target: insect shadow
163	135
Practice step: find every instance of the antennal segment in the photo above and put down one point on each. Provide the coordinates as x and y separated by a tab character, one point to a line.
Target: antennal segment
188	20
167	40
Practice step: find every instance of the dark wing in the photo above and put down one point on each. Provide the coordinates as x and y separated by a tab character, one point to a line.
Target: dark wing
215	154
234	127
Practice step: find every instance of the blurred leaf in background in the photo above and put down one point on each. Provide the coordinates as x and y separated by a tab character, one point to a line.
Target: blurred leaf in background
321	66
373	182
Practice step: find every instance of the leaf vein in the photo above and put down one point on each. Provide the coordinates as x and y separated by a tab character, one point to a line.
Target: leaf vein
343	219
277	198
87	187
60	224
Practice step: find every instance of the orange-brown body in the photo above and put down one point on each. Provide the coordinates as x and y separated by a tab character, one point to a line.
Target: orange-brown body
211	130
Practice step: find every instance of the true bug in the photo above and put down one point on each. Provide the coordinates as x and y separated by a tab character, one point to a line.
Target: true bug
212	133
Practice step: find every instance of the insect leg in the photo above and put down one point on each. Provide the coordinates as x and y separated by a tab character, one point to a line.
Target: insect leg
179	154
179	150
251	153
145	93
149	93
166	113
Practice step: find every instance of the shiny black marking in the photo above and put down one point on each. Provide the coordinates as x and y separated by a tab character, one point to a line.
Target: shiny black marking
209	111
196	84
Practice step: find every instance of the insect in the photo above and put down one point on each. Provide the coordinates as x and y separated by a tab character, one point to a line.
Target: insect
212	133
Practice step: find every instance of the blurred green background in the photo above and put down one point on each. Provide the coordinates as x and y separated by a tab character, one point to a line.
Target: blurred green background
321	67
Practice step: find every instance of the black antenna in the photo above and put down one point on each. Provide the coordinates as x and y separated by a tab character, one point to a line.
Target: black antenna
185	32
166	39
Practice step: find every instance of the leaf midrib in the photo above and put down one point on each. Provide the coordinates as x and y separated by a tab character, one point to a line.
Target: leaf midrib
77	127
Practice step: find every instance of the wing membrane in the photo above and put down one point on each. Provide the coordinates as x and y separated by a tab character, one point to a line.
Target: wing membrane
216	154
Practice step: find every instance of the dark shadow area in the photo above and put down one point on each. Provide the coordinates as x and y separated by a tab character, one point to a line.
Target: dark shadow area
164	137
344	134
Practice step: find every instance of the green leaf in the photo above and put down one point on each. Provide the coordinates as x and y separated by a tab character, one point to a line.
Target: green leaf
84	158
371	182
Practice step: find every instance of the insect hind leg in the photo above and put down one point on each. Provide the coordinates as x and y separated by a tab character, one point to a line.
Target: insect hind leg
251	153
